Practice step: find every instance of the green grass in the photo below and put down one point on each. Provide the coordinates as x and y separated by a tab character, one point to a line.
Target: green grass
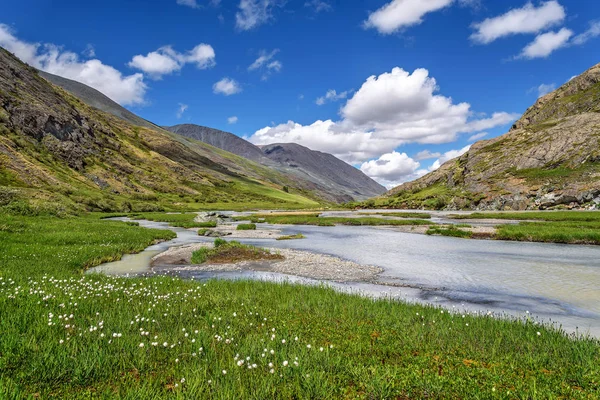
588	216
449	231
403	214
371	349
246	227
291	237
314	219
573	232
225	252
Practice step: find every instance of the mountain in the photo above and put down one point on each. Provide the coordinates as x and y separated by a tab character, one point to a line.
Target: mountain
322	173
94	98
323	169
59	154
223	140
550	157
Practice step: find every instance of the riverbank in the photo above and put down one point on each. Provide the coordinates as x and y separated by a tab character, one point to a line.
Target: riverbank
296	263
65	335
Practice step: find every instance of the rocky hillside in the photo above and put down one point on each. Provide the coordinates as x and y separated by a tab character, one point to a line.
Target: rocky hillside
322	173
549	158
59	154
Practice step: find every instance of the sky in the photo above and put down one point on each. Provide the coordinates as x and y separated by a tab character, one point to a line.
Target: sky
393	87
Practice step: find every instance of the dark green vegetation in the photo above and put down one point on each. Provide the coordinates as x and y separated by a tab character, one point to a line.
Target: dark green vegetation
402	214
574	227
291	237
449	231
225	252
554	232
65	335
60	156
314	219
246	227
586	216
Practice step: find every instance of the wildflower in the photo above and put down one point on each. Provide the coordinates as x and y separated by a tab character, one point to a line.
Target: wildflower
141	344
285	363
272	371
320	349
182	380
61	341
539	333
224	372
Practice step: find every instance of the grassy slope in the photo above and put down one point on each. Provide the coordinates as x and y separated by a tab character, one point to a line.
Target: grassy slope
113	165
381	349
314	219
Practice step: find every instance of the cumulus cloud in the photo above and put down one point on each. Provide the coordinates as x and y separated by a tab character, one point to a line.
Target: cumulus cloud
331	95
253	13
592	32
528	19
318	6
400	14
388	110
227	87
392	169
165	60
543	45
232	120
124	89
181	110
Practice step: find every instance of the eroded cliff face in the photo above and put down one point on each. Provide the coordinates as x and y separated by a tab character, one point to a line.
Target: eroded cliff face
550	157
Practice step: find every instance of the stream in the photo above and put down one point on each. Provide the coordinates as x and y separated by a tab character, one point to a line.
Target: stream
558	284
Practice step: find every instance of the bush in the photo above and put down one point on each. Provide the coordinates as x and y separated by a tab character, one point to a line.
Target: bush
246	227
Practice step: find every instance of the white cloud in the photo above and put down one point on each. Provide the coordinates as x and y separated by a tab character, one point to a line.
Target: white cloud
543	45
389	110
253	13
399	14
181	110
391	169
125	90
528	19
426	155
232	120
544	89
188	3
331	95
477	136
227	87
318	5
165	60
90	51
266	63
447	156
592	32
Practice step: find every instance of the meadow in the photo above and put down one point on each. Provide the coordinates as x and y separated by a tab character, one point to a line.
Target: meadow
65	334
315	219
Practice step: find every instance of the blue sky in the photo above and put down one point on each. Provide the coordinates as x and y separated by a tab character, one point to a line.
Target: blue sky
442	71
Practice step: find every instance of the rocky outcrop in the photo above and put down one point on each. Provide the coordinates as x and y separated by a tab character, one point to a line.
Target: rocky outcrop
549	158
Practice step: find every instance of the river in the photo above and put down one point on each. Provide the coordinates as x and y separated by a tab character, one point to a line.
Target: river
552	282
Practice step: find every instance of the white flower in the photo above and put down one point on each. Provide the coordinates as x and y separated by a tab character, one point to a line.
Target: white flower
272	371
61	341
182	380
320	349
539	333
285	363
283	341
224	372
141	344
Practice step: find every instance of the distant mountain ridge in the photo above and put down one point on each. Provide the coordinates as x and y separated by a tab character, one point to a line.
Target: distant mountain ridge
327	173
549	158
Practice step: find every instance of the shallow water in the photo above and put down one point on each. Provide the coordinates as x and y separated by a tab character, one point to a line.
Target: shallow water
559	283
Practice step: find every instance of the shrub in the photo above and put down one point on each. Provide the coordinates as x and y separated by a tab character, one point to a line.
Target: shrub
246	227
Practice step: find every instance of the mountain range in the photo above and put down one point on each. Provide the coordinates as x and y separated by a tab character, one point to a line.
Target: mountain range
65	144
